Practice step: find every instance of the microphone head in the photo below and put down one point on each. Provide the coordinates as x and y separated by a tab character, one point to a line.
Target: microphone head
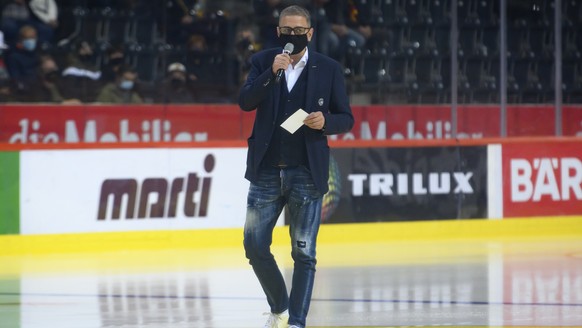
288	48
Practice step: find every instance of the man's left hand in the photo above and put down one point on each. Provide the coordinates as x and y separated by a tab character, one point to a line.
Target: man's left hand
315	120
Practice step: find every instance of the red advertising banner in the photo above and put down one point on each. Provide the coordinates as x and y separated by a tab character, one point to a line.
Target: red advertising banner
185	123
542	179
473	122
73	124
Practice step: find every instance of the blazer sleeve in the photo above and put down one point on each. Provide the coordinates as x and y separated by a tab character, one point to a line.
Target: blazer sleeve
258	84
340	118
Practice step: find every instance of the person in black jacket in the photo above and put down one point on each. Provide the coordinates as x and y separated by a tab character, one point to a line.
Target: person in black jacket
176	88
287	167
23	61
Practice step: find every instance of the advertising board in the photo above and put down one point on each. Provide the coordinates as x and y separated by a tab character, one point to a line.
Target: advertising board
409	184
72	191
543	178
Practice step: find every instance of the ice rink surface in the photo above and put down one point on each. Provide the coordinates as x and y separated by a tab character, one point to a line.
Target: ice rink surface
467	283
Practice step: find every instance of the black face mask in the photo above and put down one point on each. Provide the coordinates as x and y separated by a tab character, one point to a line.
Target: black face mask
51	76
299	41
116	61
85	58
177	83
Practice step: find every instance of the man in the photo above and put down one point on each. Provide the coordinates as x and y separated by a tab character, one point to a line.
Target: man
175	89
290	168
122	91
23	61
48	87
81	78
41	14
115	60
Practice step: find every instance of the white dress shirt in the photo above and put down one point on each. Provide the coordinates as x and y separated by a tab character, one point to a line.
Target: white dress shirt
292	73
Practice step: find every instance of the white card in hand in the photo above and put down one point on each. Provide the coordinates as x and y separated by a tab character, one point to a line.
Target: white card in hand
294	121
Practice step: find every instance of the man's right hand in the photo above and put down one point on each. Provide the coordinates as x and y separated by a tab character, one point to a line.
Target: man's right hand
282	61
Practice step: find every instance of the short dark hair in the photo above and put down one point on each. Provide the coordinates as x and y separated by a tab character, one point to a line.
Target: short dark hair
125	69
26	29
295	10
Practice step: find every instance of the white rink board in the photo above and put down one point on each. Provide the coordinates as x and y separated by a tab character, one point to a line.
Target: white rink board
61	189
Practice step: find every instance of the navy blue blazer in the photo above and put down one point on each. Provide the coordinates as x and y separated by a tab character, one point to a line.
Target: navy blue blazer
326	92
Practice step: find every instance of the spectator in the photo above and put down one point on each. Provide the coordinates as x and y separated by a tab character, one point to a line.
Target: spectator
47	87
5	89
22	61
348	27
245	46
197	43
178	19
41	14
377	36
115	60
3	48
122	91
81	78
14	15
3	45
324	39
175	89
45	18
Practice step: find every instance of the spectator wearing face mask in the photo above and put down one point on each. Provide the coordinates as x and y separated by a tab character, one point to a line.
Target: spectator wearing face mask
176	88
23	61
41	14
123	90
46	88
115	60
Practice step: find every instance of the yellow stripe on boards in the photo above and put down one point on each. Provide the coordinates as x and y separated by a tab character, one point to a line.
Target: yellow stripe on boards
329	234
452	229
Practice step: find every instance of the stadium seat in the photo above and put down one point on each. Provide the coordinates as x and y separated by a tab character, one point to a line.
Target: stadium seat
395	13
542	41
490	41
440	12
115	25
571	47
375	67
572	81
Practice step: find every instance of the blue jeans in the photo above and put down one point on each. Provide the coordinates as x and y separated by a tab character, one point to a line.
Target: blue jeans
267	197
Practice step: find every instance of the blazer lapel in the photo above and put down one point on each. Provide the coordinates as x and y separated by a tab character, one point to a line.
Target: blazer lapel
276	99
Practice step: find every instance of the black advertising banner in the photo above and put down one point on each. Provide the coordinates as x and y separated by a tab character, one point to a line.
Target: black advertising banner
406	184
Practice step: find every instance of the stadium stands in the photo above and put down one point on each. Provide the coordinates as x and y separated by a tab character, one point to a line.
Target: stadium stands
409	63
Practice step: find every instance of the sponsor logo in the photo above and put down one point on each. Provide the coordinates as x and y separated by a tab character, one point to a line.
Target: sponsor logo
385	184
558	179
149	131
123	193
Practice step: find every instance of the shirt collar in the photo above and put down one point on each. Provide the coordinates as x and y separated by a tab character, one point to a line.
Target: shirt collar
303	61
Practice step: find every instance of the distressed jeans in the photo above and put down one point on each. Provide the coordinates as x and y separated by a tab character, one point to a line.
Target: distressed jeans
267	197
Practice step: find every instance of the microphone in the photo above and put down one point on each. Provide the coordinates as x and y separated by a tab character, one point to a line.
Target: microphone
287	50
